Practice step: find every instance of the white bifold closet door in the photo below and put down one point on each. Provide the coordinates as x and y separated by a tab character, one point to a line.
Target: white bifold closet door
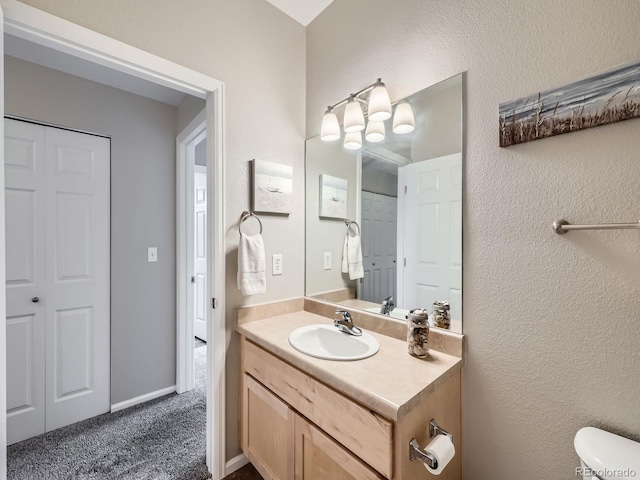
58	258
379	246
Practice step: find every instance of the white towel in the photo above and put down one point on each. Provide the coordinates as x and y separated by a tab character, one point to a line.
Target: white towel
354	257
251	270
345	261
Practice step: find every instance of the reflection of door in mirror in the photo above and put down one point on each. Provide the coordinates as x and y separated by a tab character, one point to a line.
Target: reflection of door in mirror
379	217
432	232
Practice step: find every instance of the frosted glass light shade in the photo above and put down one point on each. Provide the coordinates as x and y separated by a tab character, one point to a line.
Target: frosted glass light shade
330	129
403	121
379	107
374	132
353	117
353	141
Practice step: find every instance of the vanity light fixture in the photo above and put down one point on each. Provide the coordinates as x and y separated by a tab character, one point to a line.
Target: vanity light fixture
375	131
330	130
353	140
353	116
403	121
379	109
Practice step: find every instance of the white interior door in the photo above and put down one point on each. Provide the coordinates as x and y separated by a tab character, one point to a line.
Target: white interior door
25	199
433	233
379	218
200	295
60	224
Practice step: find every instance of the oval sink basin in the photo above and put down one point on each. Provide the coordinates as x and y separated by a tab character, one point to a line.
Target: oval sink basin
328	343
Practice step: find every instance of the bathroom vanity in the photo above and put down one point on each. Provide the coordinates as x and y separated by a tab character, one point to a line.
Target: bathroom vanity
306	418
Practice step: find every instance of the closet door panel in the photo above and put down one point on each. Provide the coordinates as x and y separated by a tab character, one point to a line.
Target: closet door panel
78	263
25	180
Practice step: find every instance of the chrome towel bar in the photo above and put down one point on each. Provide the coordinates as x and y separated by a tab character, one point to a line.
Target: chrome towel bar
562	226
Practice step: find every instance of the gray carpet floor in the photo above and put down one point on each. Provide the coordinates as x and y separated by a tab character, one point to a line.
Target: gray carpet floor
164	439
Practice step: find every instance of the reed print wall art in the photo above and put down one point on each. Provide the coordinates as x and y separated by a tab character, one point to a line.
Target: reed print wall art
608	97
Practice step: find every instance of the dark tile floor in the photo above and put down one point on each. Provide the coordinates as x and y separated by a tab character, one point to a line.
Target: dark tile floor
245	473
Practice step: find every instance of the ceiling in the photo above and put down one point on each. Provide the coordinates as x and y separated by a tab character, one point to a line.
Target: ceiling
304	11
48	57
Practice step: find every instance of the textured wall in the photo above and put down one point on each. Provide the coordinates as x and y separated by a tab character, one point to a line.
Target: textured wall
551	321
143	177
259	53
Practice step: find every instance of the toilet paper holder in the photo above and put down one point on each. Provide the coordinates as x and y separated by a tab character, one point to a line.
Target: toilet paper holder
416	453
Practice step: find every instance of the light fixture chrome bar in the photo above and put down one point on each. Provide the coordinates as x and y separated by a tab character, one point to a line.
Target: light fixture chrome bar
562	226
355	95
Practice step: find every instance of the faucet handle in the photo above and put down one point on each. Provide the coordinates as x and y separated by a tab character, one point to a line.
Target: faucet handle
345	314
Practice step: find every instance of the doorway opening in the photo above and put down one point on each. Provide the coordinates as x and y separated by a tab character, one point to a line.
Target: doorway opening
192	279
88	53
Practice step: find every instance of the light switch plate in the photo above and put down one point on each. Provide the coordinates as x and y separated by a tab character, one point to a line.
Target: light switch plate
276	265
152	254
327	261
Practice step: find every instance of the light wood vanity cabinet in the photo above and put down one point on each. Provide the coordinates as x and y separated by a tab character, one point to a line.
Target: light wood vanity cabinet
284	445
293	426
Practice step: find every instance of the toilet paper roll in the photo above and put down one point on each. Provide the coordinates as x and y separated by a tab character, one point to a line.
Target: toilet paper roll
441	447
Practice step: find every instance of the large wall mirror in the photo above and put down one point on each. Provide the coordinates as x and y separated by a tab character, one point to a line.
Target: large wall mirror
403	198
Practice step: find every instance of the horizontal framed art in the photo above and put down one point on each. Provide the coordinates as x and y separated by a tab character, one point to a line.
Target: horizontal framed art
608	97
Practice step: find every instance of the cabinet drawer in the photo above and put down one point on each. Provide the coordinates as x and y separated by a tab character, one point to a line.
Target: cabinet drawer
319	457
359	429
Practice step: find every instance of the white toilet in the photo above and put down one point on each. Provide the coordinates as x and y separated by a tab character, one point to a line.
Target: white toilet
606	456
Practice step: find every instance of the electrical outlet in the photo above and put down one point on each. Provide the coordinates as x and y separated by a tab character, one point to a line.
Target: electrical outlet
327	260
152	254
276	265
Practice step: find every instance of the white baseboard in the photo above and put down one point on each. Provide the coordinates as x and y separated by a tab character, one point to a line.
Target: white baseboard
142	398
236	463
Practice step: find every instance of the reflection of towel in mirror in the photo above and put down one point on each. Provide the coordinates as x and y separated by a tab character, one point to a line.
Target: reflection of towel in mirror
352	257
251	269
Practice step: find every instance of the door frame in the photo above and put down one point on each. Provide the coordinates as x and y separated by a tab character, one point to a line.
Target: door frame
26	22
185	146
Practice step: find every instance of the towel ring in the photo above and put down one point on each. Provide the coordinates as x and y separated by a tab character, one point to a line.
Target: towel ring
245	216
348	223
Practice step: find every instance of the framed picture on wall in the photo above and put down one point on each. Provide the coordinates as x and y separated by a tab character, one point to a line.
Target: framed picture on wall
272	187
333	197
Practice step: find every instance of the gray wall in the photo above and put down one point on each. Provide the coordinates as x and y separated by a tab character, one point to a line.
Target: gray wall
375	181
259	52
189	109
142	212
551	322
201	153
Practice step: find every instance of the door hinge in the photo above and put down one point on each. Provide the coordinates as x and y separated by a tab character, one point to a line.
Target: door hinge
405	262
193	279
405	189
214	304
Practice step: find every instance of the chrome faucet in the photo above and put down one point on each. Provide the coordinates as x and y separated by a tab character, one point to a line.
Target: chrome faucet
345	324
387	306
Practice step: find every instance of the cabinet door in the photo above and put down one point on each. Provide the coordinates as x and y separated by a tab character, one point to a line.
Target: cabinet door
318	457
267	431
